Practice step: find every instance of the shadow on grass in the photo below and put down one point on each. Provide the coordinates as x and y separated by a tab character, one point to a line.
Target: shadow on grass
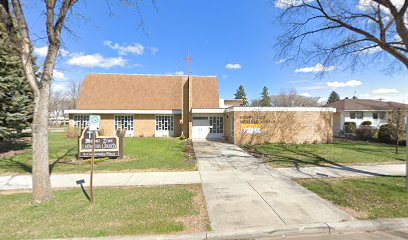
12	165
13	146
318	161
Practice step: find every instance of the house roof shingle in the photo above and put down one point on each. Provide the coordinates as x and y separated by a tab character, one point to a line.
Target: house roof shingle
366	104
144	92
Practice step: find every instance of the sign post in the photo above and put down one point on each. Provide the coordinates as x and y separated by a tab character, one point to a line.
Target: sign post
94	121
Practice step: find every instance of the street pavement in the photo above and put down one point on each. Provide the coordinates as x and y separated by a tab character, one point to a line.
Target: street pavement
243	192
401	234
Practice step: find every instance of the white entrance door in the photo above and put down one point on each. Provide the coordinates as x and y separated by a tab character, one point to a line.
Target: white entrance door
201	127
164	126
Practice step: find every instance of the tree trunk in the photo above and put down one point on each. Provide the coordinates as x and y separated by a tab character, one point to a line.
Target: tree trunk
41	174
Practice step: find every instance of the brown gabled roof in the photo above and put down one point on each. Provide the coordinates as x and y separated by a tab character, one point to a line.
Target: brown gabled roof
366	104
144	92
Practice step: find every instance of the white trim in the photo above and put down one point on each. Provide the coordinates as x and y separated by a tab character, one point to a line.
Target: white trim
366	111
208	110
91	111
280	109
147	74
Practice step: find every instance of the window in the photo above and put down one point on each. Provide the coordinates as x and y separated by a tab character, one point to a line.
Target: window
81	121
356	115
379	115
164	122
124	122
217	124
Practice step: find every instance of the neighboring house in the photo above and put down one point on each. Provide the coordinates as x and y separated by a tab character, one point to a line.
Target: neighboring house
165	106
360	110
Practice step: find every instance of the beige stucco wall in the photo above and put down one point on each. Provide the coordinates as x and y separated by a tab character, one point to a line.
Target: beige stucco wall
337	123
227	127
284	127
144	125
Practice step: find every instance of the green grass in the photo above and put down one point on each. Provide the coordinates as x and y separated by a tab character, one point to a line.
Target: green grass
116	211
340	152
161	154
365	198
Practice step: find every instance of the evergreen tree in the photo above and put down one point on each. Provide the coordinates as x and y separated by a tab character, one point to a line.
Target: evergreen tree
240	94
333	97
265	98
16	98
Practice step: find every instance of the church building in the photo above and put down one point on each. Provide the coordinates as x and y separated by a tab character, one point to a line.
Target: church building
171	106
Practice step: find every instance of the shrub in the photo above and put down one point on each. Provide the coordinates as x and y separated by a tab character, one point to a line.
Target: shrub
366	132
366	123
73	132
387	133
350	127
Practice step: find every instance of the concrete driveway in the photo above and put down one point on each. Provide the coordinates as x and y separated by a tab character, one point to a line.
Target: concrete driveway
242	192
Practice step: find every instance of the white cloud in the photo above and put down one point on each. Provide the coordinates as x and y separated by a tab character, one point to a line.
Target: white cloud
233	66
153	50
136	48
317	68
393	98
280	61
305	94
178	73
42	51
58	75
96	60
351	83
312	87
385	90
58	87
288	3
370	50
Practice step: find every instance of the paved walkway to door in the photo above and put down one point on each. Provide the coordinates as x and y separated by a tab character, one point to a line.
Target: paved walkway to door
242	192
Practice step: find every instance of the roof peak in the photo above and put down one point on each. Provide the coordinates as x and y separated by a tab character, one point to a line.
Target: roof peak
151	74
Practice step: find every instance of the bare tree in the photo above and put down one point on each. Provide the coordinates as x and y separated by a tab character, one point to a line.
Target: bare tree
333	31
73	93
397	119
18	32
290	98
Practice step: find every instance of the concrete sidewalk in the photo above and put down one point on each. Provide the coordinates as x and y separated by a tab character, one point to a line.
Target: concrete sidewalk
21	182
343	171
242	192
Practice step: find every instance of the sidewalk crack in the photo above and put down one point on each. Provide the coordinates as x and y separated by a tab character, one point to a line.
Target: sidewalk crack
267	203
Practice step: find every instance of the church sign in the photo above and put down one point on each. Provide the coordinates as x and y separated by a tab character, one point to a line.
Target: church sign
105	146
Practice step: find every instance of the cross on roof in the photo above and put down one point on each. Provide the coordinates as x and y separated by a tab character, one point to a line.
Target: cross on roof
188	59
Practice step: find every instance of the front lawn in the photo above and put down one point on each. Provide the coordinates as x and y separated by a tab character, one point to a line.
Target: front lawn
364	198
116	211
153	154
343	152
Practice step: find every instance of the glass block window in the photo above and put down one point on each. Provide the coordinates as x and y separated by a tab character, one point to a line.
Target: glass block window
81	121
217	124
124	122
164	122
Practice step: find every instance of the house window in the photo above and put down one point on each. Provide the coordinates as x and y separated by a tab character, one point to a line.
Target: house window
217	124
81	121
379	115
164	122
356	115
124	122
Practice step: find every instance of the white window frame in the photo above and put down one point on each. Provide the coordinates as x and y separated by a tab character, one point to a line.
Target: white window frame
356	115
125	120
216	124
164	125
81	120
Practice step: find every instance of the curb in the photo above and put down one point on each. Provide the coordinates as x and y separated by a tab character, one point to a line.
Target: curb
280	231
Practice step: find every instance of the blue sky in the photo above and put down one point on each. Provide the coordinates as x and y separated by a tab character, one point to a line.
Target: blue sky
230	39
